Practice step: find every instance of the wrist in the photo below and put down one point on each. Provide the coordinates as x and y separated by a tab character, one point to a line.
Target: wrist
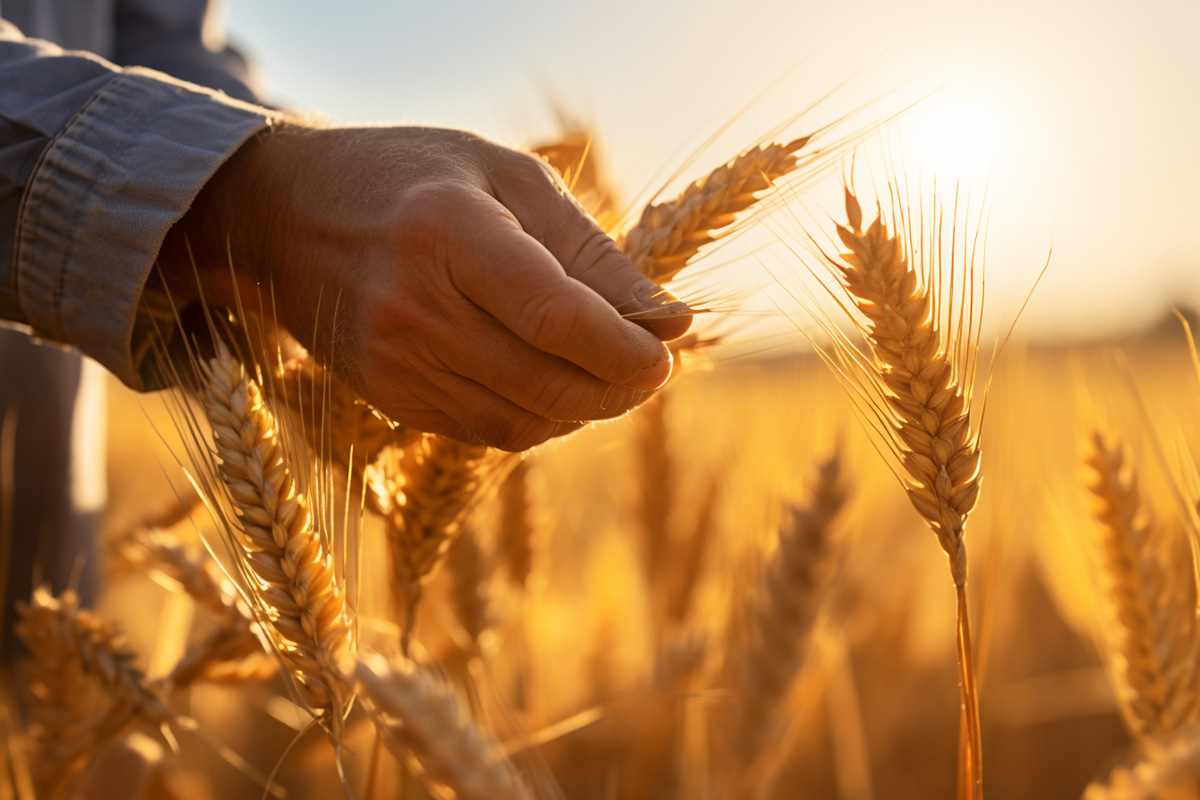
217	248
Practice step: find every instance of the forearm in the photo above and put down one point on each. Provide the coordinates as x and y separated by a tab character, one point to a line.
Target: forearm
96	164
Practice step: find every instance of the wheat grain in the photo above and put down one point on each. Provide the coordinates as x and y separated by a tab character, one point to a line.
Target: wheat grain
669	234
422	720
1167	767
288	569
1149	578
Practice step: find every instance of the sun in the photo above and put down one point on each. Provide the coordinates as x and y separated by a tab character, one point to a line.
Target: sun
958	140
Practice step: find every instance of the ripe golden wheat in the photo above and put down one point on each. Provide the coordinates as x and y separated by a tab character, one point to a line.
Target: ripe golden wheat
668	235
286	565
1150	582
422	719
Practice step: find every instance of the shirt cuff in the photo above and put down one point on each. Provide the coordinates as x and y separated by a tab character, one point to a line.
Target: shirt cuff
101	200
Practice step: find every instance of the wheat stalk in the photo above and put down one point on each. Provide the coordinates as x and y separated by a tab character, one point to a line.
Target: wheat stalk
669	234
422	720
288	571
916	381
657	487
785	609
1152	596
515	535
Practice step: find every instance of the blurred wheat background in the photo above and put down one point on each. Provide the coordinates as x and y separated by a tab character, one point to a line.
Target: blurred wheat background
726	593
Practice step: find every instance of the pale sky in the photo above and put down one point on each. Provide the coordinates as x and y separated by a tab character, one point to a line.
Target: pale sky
1086	113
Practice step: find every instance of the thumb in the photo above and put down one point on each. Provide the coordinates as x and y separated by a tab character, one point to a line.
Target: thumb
547	211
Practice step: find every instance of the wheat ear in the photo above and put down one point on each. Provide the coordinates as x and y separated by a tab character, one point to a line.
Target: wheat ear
1149	578
231	652
69	649
338	423
785	609
422	720
669	234
287	567
576	158
423	493
1166	767
160	554
470	575
921	370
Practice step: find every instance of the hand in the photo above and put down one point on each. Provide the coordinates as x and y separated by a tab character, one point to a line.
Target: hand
454	283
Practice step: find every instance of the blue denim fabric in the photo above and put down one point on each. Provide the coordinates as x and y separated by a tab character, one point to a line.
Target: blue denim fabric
101	152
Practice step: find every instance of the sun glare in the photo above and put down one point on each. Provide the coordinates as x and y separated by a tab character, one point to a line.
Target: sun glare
958	140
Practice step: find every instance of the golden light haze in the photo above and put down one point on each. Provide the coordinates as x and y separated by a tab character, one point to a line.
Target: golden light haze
1093	107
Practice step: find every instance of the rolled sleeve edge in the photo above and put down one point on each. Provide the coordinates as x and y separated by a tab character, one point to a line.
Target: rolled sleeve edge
103	196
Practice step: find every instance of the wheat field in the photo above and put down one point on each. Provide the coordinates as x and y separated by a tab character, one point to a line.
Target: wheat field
892	560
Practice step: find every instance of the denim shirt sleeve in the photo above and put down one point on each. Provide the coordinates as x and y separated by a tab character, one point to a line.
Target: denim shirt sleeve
96	164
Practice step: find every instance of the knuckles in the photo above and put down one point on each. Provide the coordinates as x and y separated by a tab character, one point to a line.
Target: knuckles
426	216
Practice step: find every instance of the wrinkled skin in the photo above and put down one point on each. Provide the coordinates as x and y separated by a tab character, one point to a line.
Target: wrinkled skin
454	283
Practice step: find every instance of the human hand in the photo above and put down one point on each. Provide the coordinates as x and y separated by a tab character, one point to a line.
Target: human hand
454	283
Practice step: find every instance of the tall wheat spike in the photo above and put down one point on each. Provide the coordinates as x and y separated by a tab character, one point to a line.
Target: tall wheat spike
287	568
669	234
914	384
422	719
784	610
424	492
1149	576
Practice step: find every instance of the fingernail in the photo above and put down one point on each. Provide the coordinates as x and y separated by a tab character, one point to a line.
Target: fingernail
653	376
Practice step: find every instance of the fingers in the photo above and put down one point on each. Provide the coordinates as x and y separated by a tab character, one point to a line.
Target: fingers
543	384
507	273
469	412
548	212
